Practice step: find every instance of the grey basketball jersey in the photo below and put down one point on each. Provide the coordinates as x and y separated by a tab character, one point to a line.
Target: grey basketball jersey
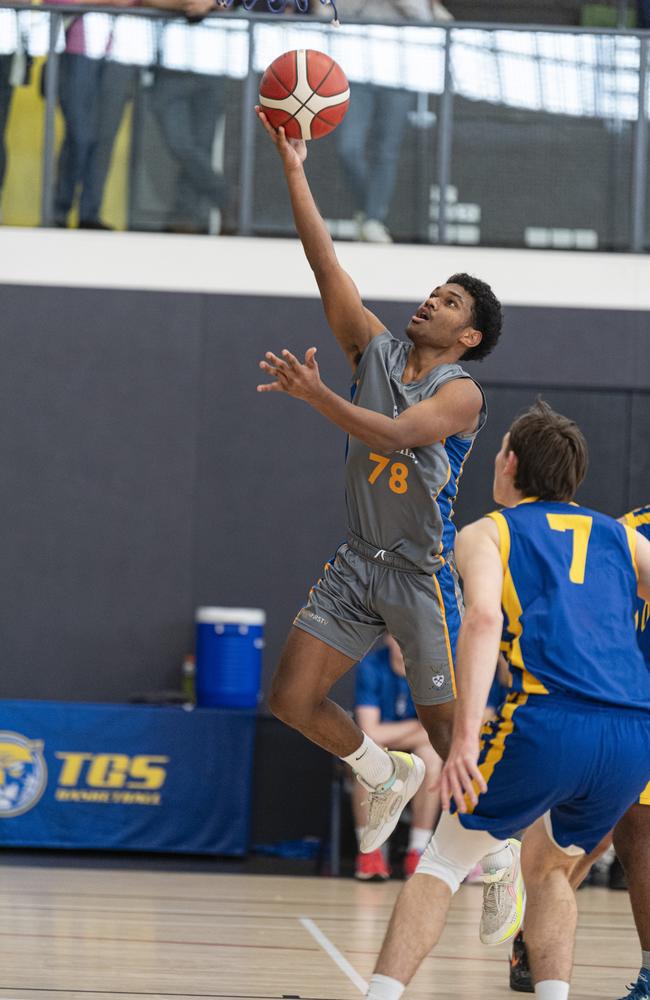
403	502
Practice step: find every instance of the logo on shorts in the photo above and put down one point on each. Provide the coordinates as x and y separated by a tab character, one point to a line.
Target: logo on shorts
438	680
317	618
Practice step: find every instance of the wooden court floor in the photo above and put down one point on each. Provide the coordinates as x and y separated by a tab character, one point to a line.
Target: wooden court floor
79	934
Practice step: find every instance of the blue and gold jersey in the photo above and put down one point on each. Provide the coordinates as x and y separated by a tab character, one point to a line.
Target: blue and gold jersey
569	596
639	519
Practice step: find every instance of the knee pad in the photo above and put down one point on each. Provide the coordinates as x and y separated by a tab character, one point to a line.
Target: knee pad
453	851
433	862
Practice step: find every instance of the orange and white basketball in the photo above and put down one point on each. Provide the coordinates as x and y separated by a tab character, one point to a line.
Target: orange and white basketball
306	92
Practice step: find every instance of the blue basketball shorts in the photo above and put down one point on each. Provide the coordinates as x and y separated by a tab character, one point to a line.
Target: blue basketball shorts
582	765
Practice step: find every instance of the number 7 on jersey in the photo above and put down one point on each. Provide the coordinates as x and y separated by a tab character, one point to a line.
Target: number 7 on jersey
580	527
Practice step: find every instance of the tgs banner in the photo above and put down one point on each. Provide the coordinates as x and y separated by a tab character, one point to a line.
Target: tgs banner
125	777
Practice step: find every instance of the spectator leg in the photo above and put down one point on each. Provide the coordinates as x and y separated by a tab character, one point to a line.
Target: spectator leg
78	96
116	90
391	110
187	106
6	91
352	135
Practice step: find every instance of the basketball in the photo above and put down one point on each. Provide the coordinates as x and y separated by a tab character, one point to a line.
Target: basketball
305	92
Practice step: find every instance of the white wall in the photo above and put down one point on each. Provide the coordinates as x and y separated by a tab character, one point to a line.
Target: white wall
269	267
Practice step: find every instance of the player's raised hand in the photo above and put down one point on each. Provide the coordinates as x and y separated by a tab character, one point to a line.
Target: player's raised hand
298	379
460	776
293	152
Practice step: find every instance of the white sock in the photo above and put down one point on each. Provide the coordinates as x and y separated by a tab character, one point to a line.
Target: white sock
384	988
359	830
419	837
645	959
371	762
492	863
552	989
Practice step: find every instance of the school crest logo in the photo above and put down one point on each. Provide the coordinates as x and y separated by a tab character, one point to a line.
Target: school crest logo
23	773
438	680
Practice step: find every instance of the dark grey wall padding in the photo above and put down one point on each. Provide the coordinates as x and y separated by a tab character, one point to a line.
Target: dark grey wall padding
142	475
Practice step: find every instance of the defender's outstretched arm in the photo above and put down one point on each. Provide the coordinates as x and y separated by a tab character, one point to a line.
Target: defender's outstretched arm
479	563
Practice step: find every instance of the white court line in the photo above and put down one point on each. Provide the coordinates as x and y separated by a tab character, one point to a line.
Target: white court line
334	954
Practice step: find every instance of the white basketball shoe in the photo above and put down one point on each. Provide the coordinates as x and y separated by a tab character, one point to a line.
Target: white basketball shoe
388	800
504	900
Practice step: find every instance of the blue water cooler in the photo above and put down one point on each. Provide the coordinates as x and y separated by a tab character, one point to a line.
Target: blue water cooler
229	643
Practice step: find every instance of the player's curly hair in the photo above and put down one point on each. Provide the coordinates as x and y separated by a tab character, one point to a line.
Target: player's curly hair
487	316
552	454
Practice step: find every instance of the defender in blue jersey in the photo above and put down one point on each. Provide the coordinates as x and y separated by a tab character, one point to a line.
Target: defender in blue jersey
554	585
410	427
631	836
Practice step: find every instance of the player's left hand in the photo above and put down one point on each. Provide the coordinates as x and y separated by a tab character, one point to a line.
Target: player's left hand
294	377
460	775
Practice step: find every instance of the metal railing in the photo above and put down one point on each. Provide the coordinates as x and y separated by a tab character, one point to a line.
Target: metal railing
574	81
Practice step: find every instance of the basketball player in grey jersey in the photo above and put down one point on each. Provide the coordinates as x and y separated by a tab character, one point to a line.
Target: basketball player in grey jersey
412	423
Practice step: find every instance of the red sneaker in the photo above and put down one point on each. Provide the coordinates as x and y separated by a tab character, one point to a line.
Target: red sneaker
411	859
371	867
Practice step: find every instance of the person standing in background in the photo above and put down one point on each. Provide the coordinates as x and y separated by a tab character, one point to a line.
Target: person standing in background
372	172
93	94
83	98
187	106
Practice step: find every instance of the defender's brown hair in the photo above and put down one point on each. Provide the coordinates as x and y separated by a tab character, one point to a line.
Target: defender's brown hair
552	455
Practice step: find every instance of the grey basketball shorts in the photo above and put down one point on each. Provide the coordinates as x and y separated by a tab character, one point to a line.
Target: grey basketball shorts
362	596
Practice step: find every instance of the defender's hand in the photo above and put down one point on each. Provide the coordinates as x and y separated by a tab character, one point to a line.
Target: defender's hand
293	152
292	376
461	776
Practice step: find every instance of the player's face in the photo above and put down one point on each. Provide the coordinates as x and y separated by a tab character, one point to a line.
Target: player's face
500	471
442	317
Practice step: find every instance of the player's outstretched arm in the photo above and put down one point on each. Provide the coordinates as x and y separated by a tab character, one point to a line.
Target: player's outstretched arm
479	564
351	323
453	410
